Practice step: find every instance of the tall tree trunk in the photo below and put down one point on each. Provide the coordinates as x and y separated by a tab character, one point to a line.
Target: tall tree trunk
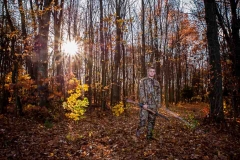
158	55
215	96
5	66
57	40
143	65
107	42
75	20
133	58
233	43
124	73
25	48
152	55
178	59
15	63
117	56
155	43
31	66
235	56
165	59
23	24
103	61
90	58
172	85
44	22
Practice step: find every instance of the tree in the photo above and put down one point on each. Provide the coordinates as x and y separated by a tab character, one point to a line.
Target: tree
103	57
16	60
143	54
42	52
58	17
229	22
117	56
90	51
215	89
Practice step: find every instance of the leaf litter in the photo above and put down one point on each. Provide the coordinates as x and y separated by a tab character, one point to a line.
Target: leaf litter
103	136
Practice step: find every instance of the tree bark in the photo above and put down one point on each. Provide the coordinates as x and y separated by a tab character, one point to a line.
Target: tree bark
235	57
90	49
31	65
57	16
143	65
117	56
166	57
44	22
15	63
215	95
103	62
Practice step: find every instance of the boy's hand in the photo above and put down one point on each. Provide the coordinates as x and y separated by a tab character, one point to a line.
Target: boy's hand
145	106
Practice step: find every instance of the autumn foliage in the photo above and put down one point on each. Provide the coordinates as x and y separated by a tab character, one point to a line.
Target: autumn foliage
74	105
57	105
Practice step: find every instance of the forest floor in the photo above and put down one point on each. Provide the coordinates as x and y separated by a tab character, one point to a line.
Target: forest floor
103	136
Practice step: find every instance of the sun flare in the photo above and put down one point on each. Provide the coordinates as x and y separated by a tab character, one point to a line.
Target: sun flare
70	47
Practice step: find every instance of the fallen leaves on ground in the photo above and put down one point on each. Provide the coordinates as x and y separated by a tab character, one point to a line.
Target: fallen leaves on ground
103	136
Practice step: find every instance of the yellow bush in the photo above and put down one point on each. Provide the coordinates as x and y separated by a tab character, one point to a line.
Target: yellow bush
118	109
74	105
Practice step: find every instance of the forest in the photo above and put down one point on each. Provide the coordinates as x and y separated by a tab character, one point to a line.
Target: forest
69	68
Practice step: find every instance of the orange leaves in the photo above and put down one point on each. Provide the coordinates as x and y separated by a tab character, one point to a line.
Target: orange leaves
12	34
24	83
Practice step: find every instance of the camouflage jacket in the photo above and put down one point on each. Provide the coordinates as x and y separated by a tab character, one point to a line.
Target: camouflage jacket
149	91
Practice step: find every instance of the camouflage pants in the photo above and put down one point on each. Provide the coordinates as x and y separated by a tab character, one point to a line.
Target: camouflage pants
149	118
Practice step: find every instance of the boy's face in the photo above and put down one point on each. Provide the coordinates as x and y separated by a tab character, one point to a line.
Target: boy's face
151	72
